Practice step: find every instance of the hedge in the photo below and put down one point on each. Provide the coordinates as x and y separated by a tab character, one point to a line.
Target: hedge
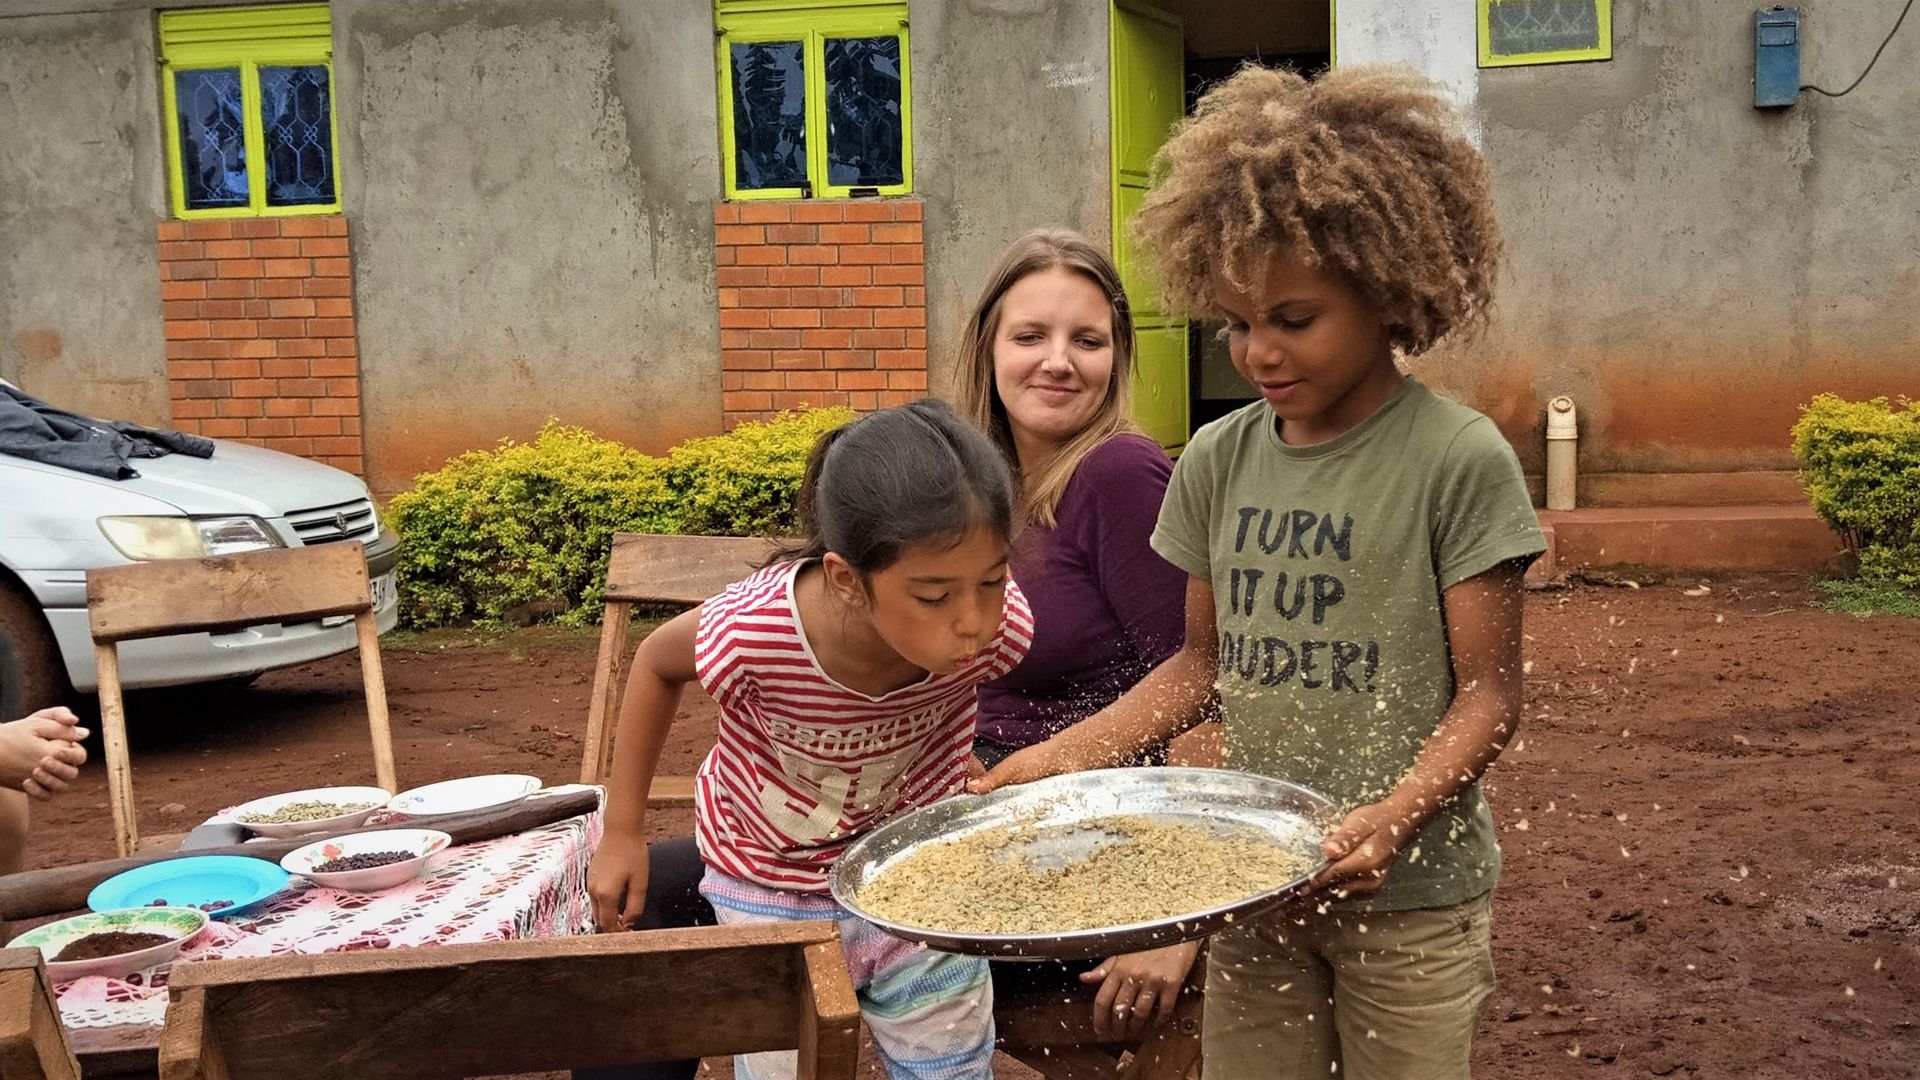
529	525
1860	463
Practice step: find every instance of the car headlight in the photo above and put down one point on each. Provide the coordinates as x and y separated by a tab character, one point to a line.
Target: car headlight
144	538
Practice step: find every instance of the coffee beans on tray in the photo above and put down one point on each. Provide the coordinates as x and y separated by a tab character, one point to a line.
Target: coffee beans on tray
986	883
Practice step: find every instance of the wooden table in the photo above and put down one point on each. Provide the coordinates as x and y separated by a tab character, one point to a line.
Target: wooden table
532	884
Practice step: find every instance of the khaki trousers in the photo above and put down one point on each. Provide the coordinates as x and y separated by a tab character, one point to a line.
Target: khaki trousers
1385	996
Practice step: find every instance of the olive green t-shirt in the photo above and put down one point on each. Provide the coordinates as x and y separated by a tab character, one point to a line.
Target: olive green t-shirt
1328	563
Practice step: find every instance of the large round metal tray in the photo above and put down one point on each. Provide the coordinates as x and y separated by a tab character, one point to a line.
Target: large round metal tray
1218	799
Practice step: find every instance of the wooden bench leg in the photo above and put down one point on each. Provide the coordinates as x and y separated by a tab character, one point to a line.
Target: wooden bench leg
33	1046
374	677
829	1017
603	709
188	1050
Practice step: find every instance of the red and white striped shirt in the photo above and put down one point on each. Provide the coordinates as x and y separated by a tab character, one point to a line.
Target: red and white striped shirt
804	765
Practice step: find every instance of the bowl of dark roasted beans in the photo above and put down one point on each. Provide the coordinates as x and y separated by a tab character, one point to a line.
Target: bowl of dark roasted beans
368	861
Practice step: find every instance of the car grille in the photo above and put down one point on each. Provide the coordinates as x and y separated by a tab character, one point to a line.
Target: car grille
341	521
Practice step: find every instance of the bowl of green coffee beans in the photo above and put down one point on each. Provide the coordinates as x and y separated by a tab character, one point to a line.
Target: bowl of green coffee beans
314	810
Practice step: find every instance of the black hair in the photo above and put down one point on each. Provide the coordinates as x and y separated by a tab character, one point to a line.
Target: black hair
899	478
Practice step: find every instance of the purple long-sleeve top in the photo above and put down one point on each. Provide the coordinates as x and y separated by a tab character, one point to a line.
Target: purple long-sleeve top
1106	608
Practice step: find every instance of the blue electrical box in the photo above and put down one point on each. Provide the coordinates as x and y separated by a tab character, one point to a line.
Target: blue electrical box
1776	57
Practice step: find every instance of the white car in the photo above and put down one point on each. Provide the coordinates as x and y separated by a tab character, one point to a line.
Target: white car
56	524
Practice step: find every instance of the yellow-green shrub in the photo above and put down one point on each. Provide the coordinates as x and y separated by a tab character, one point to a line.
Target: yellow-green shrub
1861	465
743	483
533	522
522	522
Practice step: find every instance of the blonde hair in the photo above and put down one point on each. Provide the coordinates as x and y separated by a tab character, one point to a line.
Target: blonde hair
1365	171
978	398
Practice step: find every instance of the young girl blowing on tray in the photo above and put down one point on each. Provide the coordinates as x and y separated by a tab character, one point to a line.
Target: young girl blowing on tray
846	673
1356	545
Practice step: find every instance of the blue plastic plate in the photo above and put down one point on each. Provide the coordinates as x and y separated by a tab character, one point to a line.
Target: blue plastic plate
191	882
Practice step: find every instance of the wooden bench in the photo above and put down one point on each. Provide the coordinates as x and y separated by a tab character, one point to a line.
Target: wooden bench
643	569
33	1046
518	1006
230	592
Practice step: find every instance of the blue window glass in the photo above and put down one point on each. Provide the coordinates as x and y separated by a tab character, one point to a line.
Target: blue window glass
769	116
296	115
863	112
213	148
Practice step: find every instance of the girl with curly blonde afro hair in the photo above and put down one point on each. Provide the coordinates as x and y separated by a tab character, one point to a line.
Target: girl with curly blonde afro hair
1355	546
1363	172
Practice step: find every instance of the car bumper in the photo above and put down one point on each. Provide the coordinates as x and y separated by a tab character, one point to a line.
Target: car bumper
193	658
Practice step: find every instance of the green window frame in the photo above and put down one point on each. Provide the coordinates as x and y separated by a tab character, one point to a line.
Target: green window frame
245	40
1601	50
811	23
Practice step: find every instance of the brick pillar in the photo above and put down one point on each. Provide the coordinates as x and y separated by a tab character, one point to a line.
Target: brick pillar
821	303
260	334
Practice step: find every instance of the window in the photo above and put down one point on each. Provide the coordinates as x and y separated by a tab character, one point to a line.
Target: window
1544	31
814	98
249	111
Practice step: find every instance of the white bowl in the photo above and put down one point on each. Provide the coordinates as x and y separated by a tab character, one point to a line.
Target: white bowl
468	793
371	798
179	924
424	843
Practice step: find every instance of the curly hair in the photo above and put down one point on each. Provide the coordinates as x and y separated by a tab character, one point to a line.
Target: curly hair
1364	170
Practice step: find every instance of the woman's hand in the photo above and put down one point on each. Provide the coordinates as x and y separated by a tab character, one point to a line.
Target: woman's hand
617	881
1139	990
1360	852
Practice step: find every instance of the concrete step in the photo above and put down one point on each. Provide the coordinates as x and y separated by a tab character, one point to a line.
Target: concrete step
1688	538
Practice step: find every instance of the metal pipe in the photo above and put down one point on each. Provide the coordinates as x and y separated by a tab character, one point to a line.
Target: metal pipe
1563	440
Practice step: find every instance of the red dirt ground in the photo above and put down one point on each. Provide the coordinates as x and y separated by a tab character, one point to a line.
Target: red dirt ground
1713	867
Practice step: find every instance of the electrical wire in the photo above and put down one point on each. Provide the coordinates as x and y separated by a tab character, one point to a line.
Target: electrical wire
1870	63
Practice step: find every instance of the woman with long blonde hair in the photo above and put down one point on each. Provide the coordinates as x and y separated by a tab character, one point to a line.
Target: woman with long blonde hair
1045	368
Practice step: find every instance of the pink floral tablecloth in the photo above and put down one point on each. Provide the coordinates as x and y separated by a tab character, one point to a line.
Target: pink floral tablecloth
531	884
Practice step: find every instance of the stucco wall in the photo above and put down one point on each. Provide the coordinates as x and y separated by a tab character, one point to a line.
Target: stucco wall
531	187
81	190
1010	131
1692	269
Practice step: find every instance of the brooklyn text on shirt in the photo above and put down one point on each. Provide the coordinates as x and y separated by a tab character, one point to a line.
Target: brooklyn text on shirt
811	800
820	736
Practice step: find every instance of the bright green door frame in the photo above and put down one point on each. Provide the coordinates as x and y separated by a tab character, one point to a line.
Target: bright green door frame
1147	54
